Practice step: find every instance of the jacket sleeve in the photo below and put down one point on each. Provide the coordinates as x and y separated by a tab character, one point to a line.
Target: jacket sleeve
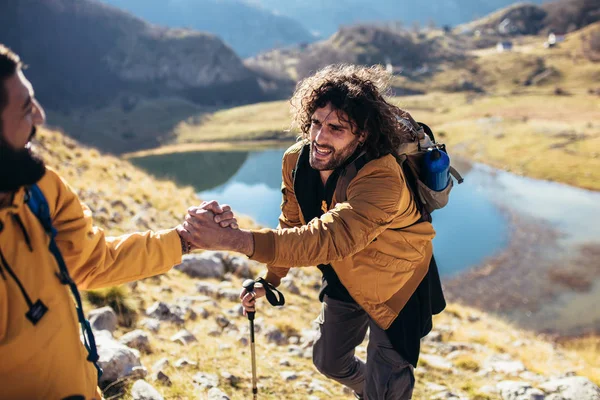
375	198
289	218
95	260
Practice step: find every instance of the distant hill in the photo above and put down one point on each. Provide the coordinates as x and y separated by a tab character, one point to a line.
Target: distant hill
361	44
246	27
85	55
326	17
560	16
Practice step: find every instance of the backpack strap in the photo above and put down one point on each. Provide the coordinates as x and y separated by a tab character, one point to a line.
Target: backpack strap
347	174
37	203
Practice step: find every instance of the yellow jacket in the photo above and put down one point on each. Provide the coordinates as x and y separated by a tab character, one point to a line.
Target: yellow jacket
48	360
372	240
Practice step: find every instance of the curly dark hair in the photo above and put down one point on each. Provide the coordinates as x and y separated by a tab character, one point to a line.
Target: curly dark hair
359	92
9	64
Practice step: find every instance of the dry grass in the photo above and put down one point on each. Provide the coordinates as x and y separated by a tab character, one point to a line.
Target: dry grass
123	198
105	181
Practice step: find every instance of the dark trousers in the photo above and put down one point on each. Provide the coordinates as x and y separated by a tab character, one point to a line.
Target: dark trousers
343	326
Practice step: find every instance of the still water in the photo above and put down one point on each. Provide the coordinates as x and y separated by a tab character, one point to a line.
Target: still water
481	221
469	229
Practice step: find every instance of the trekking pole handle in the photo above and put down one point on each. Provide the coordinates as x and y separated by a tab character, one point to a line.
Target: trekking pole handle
249	286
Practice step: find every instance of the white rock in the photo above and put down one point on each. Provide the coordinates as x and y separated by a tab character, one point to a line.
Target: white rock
137	339
284	362
239	267
437	362
435	388
289	285
229	294
205	265
162	378
166	312
231	379
274	335
208	289
116	359
183	362
152	324
288	376
160	364
217	394
513	390
142	390
184	337
206	381
103	319
572	388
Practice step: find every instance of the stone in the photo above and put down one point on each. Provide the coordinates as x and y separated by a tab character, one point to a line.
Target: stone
571	388
239	267
160	364
514	390
284	362
318	386
217	394
204	265
274	335
208	289
103	319
433	336
184	337
222	322
290	286
231	379
162	378
229	294
116	359
288	376
152	324
137	339
142	390
206	381
437	362
165	312
184	362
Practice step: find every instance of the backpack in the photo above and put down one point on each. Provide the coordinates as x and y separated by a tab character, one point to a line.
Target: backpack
37	203
428	299
411	154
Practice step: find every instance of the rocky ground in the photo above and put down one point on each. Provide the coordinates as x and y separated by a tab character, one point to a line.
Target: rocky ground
190	341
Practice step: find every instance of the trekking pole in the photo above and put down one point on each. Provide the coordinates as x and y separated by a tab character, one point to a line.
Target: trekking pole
249	286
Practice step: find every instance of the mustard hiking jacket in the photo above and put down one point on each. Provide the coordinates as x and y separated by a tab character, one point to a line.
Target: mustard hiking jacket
373	240
48	360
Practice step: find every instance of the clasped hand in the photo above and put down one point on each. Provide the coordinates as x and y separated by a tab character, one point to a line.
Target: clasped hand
209	226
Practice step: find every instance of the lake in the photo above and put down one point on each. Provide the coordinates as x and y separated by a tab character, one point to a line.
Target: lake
479	222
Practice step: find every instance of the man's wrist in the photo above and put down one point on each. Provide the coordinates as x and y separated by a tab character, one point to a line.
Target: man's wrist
186	247
245	242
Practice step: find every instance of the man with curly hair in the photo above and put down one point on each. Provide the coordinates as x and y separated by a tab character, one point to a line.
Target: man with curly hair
366	236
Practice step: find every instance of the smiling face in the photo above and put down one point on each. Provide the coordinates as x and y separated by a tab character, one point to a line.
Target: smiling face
22	113
20	116
332	140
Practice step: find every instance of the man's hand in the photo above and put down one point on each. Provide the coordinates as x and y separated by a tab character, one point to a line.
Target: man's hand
202	231
249	298
223	214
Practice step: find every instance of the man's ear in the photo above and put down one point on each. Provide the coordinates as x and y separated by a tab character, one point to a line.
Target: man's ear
362	137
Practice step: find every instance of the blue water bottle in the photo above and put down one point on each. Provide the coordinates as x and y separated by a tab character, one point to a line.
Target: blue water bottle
437	169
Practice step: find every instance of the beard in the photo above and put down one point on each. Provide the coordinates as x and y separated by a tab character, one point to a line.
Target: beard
335	159
19	167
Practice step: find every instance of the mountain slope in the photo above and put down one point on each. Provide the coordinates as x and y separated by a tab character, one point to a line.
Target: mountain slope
326	17
248	29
